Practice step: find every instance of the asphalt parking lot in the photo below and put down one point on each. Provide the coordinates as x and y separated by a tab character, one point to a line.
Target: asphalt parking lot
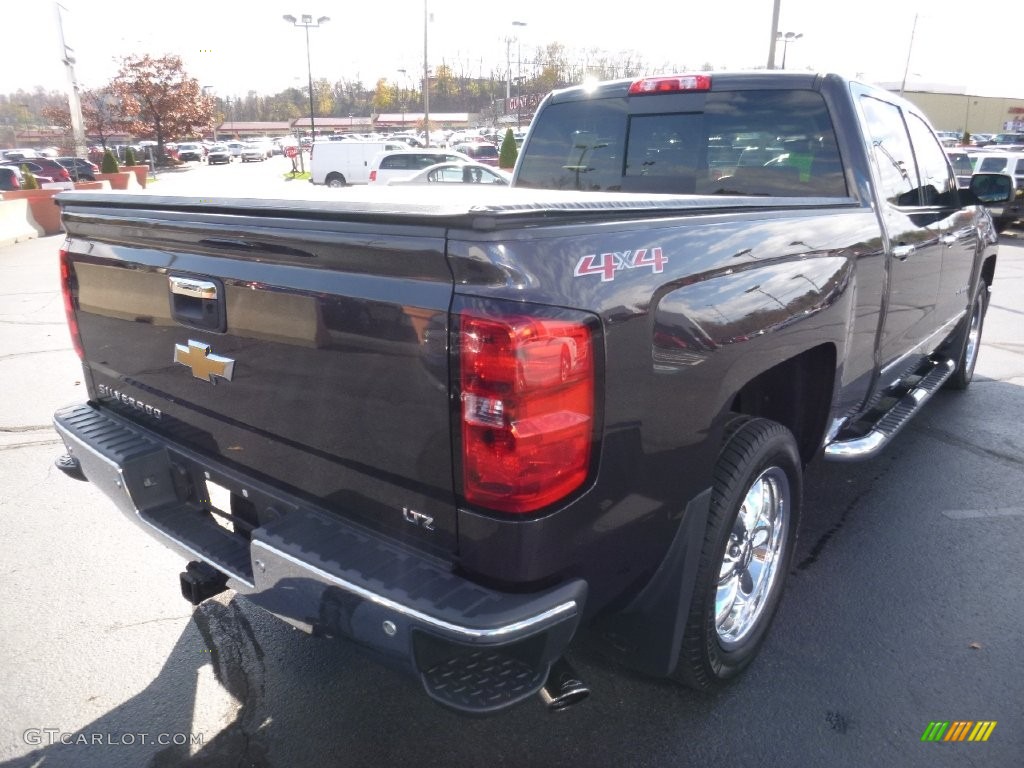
905	607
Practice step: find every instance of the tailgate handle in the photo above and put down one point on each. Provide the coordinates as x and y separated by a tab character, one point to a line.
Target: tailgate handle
197	289
198	303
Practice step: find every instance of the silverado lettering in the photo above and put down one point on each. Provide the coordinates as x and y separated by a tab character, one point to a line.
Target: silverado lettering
785	270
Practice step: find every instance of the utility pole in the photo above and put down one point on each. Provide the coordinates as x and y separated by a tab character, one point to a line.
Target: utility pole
426	77
74	103
774	35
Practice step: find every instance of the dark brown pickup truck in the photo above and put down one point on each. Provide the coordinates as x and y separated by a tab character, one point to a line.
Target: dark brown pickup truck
461	428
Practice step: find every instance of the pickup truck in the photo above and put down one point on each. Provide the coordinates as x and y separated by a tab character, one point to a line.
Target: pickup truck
464	430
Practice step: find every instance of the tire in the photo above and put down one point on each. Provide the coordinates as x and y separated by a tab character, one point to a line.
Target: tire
970	341
335	180
747	551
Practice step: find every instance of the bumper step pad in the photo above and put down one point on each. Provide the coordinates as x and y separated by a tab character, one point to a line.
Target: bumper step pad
483	680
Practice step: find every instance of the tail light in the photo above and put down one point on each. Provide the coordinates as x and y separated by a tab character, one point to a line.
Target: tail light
527	391
670	84
67	278
373	176
63	175
15	183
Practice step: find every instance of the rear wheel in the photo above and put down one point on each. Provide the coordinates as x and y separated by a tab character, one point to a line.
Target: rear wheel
747	551
335	180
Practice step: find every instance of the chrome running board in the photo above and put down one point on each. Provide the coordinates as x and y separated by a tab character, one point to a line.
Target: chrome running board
893	420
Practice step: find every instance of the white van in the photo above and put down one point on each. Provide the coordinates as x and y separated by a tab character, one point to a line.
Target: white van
337	163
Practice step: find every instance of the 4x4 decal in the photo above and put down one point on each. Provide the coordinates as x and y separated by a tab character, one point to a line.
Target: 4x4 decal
607	264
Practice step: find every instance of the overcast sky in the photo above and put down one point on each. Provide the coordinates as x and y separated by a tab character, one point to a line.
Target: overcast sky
241	45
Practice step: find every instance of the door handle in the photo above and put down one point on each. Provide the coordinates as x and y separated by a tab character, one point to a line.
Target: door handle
902	252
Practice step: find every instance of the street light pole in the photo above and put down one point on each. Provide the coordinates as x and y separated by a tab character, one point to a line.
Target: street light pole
519	76
403	73
787	38
307	22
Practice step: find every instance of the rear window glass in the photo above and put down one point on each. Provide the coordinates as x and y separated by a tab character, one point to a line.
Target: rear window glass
481	150
961	164
729	142
992	164
413	161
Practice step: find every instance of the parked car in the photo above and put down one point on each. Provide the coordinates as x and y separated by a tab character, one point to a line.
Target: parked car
1008	141
191	151
481	151
79	168
10	178
17	154
339	163
455	173
404	162
254	152
46	167
42	178
236	147
219	153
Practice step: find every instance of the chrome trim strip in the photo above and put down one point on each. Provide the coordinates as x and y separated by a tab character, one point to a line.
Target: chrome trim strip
498	633
944	331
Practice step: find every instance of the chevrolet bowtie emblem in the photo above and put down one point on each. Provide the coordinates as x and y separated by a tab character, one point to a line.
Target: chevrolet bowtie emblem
204	365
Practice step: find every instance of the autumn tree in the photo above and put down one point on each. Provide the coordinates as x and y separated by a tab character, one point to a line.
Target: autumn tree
384	96
170	103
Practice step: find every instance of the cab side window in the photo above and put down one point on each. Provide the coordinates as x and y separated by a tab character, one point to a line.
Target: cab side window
891	151
937	182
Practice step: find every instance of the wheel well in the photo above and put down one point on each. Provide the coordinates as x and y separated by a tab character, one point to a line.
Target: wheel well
796	393
335	175
988	270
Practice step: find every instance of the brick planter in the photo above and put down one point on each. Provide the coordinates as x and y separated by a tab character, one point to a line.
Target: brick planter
119	180
92	185
141	173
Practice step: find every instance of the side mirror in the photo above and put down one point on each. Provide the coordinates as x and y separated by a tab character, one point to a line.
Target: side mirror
991	189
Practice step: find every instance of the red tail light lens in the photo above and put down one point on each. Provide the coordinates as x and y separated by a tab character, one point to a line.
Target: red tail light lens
63	174
373	175
527	388
66	289
670	84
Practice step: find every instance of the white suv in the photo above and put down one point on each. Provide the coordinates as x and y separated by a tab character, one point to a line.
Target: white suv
405	162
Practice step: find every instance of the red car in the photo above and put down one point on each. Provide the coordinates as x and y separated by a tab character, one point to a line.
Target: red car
480	151
46	167
79	168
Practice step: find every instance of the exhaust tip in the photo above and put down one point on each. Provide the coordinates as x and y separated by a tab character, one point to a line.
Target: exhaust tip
563	687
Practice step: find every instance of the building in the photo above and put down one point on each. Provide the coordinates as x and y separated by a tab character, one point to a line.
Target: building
953	109
240	129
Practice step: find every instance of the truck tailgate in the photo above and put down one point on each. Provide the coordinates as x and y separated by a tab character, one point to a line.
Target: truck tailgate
310	352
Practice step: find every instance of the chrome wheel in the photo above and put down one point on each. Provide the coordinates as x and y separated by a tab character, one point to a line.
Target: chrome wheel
973	338
753	556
